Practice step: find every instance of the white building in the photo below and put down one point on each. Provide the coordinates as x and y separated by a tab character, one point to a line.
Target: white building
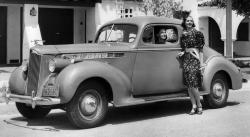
76	21
55	22
212	22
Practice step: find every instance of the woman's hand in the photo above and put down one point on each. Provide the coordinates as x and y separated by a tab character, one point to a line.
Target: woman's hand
202	67
180	53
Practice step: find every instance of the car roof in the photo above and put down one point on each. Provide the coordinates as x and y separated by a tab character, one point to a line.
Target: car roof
144	20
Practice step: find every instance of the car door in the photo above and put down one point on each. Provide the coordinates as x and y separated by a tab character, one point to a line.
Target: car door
156	69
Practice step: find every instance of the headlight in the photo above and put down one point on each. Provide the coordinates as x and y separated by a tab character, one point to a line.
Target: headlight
57	64
52	66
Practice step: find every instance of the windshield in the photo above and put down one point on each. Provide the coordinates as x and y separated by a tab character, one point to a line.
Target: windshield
118	33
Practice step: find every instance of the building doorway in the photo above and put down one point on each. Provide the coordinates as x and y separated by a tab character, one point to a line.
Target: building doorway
215	41
3	35
57	25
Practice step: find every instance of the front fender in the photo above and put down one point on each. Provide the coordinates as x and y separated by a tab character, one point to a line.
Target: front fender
17	81
73	75
218	64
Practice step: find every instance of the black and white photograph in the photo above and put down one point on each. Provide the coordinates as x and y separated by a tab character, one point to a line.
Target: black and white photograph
124	68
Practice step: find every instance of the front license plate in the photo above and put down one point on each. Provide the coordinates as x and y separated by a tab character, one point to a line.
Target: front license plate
51	91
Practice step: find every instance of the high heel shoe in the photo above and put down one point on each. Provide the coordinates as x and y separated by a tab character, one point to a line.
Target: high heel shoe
192	112
199	111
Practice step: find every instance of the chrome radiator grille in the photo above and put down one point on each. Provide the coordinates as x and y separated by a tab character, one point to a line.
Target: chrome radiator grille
37	72
33	73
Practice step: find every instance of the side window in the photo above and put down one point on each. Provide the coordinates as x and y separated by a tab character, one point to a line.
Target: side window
147	36
165	34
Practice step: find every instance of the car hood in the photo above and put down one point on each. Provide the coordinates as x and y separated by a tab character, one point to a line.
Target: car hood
79	48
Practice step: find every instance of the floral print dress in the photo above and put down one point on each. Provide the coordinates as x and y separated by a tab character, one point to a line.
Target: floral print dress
191	65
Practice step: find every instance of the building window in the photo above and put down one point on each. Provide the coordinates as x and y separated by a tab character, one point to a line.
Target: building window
126	13
243	32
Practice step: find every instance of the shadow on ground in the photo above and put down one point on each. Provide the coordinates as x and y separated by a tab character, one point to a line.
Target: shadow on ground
233	103
58	120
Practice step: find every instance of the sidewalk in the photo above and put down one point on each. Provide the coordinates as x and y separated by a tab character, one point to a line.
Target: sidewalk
4	78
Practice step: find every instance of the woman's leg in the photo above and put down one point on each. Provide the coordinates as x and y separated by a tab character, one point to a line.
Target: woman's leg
196	94
192	98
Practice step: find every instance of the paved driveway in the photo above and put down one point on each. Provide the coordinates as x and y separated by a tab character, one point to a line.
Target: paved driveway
166	119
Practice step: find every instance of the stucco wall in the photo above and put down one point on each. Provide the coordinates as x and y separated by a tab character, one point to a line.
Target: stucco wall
219	15
13	33
109	10
79	25
14	29
243	47
106	11
204	27
90	25
31	29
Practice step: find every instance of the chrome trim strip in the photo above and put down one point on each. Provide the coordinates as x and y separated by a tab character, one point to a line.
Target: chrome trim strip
158	49
145	48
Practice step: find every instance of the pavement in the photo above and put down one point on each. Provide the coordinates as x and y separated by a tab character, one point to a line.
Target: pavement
4	78
162	119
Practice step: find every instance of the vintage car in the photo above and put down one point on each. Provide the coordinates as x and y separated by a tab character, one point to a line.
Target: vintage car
124	66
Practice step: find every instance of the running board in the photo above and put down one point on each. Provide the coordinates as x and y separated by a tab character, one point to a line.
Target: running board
173	96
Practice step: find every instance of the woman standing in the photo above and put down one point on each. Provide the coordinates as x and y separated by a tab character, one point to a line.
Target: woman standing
192	42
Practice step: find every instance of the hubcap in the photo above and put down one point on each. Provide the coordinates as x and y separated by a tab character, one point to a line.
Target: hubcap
218	90
88	104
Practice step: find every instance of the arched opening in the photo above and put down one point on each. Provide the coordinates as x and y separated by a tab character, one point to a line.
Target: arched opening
215	41
211	31
241	45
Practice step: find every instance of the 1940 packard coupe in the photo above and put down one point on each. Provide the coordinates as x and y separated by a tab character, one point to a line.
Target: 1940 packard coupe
123	66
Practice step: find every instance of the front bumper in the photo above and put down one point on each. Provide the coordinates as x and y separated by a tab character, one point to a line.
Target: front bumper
32	100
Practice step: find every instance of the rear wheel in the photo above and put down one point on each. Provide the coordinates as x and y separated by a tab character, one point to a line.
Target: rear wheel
218	92
89	106
30	113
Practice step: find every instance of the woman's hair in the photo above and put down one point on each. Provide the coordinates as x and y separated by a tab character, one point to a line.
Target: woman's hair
183	24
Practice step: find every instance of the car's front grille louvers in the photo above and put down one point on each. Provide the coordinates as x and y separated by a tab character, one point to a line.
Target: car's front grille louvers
33	73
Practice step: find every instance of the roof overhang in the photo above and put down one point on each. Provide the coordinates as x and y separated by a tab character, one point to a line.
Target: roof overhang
82	3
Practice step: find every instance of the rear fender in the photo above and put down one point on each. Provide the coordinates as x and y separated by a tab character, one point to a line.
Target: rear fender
220	64
72	76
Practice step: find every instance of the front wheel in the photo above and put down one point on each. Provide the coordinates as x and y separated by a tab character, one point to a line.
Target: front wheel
218	92
30	113
89	106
